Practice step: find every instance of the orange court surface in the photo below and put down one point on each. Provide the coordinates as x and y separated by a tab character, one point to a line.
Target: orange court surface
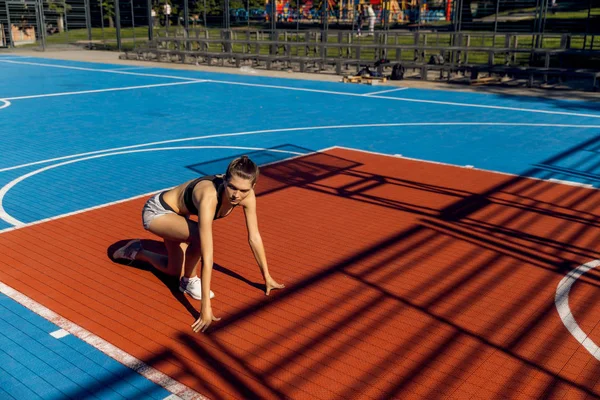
436	282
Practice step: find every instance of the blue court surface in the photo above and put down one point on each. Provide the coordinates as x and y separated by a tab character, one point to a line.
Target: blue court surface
79	131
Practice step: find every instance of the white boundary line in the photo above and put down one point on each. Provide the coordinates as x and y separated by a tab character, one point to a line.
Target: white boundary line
300	129
14	58
5	105
130	68
107	348
37	96
385	91
561	300
447	103
571	183
97	70
16	223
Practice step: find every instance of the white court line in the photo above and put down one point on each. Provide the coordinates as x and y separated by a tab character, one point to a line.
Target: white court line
130	68
561	300
13	58
83	210
571	183
448	103
385	91
37	96
5	105
107	348
59	334
97	70
300	129
15	222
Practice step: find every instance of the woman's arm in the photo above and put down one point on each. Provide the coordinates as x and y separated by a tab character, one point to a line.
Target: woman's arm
256	243
206	210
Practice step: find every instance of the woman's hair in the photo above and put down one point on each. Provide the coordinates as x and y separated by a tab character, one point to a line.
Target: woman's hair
244	168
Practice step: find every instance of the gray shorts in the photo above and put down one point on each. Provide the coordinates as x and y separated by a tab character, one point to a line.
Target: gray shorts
153	209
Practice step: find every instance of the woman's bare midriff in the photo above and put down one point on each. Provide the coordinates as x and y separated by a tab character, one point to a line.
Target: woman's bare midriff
174	197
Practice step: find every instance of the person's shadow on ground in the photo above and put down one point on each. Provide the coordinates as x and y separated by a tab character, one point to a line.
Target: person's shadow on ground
169	281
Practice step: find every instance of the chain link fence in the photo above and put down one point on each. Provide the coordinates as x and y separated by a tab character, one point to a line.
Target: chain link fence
123	24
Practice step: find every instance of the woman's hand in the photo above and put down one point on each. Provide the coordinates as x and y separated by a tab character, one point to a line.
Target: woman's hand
206	318
271	284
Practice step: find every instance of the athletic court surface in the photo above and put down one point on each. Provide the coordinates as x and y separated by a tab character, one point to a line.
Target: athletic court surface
433	244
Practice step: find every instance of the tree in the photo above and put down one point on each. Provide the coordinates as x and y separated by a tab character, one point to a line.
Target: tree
213	7
108	11
61	8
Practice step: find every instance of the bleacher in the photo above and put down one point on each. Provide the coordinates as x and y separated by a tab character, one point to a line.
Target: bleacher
470	55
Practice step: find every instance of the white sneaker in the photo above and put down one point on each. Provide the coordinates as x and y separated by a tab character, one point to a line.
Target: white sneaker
193	287
129	251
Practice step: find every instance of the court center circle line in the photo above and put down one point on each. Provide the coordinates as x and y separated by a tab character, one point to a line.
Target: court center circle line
5	105
15	222
300	129
561	300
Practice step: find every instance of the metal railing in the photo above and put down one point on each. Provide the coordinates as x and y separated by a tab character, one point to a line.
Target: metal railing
123	24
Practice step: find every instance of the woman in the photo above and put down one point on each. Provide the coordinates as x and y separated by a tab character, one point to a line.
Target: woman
360	18
167	215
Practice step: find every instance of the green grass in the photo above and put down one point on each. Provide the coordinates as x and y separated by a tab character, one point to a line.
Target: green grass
559	14
108	34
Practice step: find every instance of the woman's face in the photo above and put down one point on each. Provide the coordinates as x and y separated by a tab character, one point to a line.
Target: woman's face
236	189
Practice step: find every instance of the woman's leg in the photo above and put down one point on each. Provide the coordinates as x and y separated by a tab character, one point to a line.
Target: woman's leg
182	240
183	245
171	264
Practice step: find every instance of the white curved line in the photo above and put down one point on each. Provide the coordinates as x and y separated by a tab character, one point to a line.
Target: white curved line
561	300
299	129
6	104
15	222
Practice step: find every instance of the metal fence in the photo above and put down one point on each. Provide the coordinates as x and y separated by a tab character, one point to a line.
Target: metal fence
123	24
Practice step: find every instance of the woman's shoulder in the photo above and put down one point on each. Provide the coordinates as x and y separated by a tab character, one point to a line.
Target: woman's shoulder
204	185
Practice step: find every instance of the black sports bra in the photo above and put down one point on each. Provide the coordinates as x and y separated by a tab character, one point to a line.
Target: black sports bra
188	198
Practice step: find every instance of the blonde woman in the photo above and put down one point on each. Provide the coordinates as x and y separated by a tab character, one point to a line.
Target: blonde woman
167	215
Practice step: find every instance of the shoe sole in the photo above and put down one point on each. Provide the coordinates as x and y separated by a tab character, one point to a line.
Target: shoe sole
182	290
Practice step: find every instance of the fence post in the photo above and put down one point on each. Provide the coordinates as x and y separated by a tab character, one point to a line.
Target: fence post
88	21
41	23
150	20
118	23
186	24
